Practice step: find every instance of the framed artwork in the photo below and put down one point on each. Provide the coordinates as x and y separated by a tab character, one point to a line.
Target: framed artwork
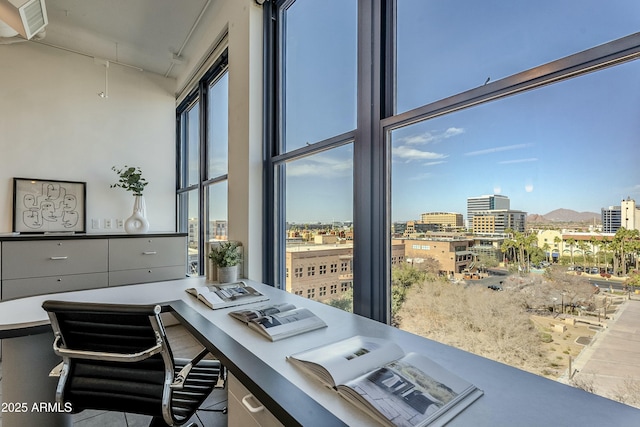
49	206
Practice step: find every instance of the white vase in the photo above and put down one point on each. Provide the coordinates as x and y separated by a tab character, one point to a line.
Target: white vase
227	274
137	223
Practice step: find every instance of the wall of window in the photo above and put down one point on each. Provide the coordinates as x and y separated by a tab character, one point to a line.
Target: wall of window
312	157
534	102
452	101
203	164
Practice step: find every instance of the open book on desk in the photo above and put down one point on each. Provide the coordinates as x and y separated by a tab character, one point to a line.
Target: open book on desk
395	389
227	294
279	321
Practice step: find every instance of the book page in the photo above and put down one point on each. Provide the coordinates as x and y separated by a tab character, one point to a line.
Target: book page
228	295
288	323
409	392
350	358
258	312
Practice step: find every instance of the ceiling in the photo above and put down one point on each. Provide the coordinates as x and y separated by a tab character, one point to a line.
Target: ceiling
149	34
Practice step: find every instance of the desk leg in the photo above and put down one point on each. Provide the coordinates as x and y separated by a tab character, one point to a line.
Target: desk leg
28	393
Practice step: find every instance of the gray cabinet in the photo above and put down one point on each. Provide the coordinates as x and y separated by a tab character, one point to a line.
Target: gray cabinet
34	265
146	259
45	266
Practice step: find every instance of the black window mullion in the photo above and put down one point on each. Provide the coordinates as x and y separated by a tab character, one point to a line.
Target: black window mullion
371	272
202	176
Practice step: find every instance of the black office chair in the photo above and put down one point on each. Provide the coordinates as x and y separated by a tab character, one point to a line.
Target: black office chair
116	357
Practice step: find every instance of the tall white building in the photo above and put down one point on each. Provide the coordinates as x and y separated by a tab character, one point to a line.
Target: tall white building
626	215
629	214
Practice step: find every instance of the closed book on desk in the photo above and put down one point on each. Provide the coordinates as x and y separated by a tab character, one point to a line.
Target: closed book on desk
227	295
394	388
279	321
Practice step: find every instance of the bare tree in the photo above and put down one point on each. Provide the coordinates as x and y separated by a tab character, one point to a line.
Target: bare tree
491	324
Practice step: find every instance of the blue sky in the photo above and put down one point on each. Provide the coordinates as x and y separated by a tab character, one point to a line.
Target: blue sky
571	145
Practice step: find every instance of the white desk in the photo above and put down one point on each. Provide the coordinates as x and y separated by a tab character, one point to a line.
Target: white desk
512	397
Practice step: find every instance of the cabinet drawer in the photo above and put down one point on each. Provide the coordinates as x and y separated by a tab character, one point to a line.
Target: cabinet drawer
18	288
53	258
145	275
239	412
145	252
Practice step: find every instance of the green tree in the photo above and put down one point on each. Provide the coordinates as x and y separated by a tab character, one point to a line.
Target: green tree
571	243
547	250
557	241
583	246
345	302
626	248
403	276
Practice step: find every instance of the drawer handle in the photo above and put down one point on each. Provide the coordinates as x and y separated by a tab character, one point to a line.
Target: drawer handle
56	258
254	409
149	253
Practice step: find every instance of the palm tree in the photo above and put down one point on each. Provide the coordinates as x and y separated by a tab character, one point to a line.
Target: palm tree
547	251
571	242
595	242
623	242
557	240
583	246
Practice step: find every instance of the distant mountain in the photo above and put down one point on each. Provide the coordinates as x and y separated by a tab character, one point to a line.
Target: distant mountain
564	215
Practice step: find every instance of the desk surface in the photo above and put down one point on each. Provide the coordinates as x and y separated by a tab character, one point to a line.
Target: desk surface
511	396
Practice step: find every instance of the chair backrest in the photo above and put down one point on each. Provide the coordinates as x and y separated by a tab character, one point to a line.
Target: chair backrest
115	356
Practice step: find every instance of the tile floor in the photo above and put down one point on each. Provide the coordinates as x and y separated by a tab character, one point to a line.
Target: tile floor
182	345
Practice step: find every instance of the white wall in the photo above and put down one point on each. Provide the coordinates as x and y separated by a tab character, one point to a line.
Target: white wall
53	125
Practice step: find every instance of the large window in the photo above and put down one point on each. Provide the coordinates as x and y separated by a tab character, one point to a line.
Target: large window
312	160
203	164
476	127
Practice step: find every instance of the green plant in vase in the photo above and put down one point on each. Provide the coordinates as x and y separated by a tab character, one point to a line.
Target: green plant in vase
227	258
130	178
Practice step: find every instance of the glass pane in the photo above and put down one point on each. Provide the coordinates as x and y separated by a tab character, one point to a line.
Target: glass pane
320	77
189	220
319	227
447	47
562	155
192	139
218	127
217	220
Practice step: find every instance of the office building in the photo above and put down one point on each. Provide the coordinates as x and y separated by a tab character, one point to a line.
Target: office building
447	221
629	214
498	221
485	203
611	219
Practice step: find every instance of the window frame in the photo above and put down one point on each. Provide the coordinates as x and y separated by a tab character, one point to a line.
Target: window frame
199	95
372	137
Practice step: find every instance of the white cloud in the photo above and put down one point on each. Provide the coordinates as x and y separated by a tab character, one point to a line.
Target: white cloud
497	149
452	132
497	190
409	154
528	188
322	166
508	162
430	137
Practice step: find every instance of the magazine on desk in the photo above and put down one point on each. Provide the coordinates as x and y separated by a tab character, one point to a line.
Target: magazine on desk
279	321
227	294
395	388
